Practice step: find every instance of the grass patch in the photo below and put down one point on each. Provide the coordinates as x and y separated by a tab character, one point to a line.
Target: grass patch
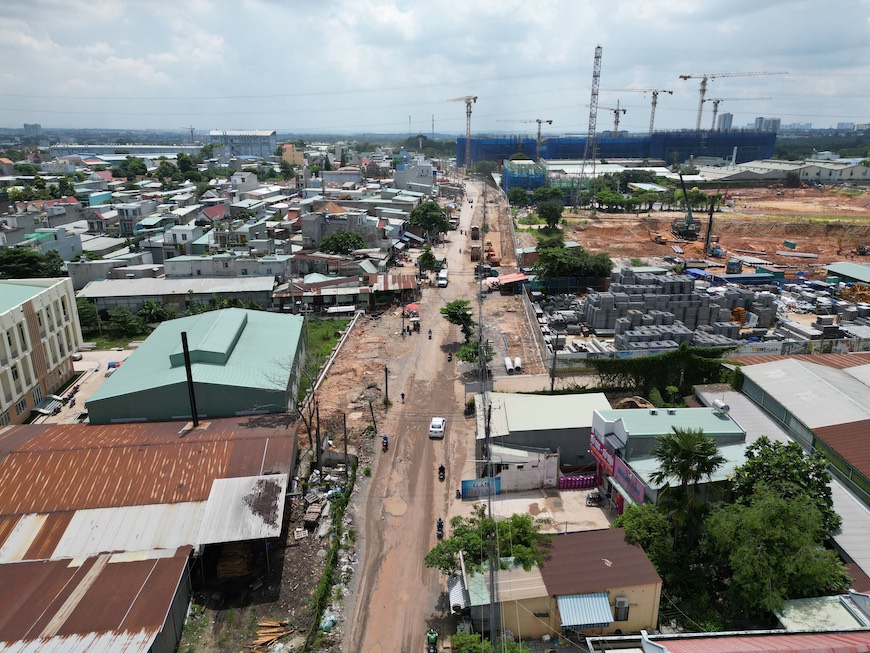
852	192
531	218
107	341
322	337
194	628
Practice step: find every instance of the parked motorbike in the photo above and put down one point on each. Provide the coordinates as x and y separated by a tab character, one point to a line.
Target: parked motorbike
449	356
430	334
439	528
441	473
458	493
385	443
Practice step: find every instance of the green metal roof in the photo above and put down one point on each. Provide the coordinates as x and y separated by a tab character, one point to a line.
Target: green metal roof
852	270
13	293
734	454
232	347
641	422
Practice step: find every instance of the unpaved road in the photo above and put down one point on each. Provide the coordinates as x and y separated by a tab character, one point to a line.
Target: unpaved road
395	598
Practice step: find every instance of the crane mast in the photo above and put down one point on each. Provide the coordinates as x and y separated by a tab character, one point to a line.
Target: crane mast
589	149
469	100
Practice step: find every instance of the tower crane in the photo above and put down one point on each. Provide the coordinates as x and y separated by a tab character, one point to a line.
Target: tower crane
711	76
616	111
589	147
469	100
717	100
540	121
655	99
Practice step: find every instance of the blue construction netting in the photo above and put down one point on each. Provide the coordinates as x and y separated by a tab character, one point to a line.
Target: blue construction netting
670	146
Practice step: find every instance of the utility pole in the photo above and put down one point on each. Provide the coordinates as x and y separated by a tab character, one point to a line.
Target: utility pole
386	383
553	370
372	411
317	433
346	463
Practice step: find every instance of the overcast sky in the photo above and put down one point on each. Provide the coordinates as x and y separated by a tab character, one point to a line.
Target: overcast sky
367	66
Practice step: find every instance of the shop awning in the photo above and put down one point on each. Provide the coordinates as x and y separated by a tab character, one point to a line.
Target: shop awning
414	236
399	246
458	598
585	610
621	490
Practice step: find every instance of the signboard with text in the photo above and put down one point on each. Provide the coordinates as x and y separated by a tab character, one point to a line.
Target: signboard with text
599	451
628	480
481	487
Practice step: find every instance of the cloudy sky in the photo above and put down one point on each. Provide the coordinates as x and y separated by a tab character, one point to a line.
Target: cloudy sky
370	66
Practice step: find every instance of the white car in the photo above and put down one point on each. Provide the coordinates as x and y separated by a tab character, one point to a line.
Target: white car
437	427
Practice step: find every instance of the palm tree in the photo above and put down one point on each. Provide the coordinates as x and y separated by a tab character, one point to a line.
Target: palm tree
688	456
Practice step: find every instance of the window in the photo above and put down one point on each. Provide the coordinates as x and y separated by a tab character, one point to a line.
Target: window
21	406
5	420
15	374
620	612
183	236
23	337
37	396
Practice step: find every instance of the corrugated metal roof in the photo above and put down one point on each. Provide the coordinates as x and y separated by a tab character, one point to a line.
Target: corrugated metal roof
785	643
818	396
851	270
642	422
518	412
852	537
819	613
595	561
838	361
458	598
241	509
77	466
746	414
851	441
735	456
147	287
585	610
70	604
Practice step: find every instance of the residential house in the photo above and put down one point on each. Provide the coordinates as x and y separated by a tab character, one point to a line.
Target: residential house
291	155
238	233
132	213
242	182
591	583
181	237
66	243
230	265
83	272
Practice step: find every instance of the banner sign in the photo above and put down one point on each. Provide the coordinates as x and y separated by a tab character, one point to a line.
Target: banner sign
599	451
481	487
629	482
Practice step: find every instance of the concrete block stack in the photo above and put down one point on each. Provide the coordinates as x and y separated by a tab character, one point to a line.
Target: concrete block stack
652	336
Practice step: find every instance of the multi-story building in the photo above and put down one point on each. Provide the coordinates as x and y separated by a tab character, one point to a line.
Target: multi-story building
724	122
39	332
242	142
131	213
291	155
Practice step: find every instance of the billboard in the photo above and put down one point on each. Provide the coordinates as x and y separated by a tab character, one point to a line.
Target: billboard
481	487
599	451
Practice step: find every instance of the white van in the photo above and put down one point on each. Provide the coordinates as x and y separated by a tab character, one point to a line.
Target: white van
442	279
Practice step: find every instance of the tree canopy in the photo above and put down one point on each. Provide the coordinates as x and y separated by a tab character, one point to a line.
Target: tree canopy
130	168
787	471
551	212
342	242
459	312
484	167
518	196
557	263
24	263
770	550
427	261
519	536
431	217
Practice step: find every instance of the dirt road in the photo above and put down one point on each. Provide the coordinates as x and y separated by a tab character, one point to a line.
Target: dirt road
393	593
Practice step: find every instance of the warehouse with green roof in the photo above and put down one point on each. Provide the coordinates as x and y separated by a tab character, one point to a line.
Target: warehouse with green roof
243	362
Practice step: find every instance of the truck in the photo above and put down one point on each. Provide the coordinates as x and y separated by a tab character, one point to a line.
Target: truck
474	252
475	232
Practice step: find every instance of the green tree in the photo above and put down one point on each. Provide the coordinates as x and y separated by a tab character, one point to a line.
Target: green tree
518	536
476	643
52	264
152	312
519	156
26	169
469	352
207	151
558	263
427	261
687	456
88	317
342	242
649	527
550	238
788	471
185	162
770	550
431	217
459	312
484	168
518	196
124	323
86	256
288	171
20	263
551	212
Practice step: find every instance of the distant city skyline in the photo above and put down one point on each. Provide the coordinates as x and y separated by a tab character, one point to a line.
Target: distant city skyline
373	66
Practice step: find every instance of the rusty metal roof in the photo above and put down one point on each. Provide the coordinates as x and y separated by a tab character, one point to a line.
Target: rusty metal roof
116	603
851	441
595	561
69	467
854	642
837	361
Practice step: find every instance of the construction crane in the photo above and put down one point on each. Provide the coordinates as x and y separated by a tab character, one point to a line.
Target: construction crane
711	76
616	111
655	99
540	121
469	100
589	146
717	100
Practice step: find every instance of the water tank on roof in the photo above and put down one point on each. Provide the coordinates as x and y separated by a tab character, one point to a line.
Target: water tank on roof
721	406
